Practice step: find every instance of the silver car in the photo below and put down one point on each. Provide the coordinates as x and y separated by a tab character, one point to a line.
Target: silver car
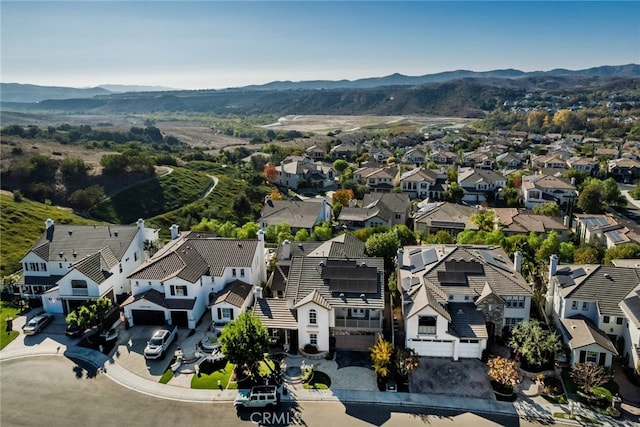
37	324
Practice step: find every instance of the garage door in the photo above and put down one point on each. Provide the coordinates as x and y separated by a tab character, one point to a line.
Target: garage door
148	317
179	318
433	348
355	342
470	351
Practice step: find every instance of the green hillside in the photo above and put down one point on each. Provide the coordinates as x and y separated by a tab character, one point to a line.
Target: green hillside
153	197
21	224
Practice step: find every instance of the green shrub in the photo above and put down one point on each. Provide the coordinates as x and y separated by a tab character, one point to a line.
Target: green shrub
166	377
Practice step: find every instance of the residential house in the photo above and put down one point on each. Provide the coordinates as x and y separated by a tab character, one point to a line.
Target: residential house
549	161
540	189
590	296
583	164
478	159
624	170
298	214
296	172
432	217
344	151
71	264
422	183
509	160
376	209
376	179
315	152
443	157
327	296
513	221
630	307
574	138
605	228
416	156
457	298
479	185
380	154
193	272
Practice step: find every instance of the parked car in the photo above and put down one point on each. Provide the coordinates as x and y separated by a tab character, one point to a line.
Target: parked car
264	396
159	343
37	324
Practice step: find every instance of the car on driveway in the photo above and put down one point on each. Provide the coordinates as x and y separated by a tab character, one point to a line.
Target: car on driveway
159	343
37	324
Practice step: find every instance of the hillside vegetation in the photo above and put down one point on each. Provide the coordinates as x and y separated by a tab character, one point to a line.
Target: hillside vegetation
21	224
154	196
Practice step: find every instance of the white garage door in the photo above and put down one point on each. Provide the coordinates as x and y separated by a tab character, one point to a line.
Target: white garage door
470	351
433	348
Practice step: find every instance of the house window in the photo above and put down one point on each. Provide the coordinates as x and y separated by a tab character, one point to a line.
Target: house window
619	320
135	256
44	267
79	287
574	305
227	314
313	317
242	272
514	301
592	357
120	267
358	312
313	339
179	290
585	305
59	265
233	272
427	325
605	319
510	322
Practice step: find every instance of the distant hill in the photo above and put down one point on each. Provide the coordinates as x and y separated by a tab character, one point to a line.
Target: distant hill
17	92
134	88
460	93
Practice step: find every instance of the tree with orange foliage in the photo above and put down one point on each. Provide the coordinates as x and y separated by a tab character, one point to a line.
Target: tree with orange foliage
270	173
342	197
276	195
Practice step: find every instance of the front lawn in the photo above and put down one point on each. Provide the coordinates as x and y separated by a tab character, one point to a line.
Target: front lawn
211	373
6	309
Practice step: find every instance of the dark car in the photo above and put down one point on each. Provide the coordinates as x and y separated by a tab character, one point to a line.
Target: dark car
37	324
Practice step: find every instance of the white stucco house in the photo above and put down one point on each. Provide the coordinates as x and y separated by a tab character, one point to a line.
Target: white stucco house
71	264
457	298
190	275
586	301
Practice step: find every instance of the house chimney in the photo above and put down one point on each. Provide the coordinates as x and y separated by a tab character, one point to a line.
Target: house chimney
400	255
286	249
48	223
517	261
140	223
573	181
553	266
174	232
261	236
257	292
566	221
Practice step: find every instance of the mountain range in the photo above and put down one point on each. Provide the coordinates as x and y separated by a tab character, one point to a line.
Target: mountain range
459	93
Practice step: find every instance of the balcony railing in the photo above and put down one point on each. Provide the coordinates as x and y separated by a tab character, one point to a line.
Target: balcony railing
80	292
353	323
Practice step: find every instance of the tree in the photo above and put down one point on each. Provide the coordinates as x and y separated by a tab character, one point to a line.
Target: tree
484	219
586	255
381	356
73	168
566	252
591	199
270	173
589	375
340	165
85	198
322	232
302	235
550	246
249	230
624	251
90	314
611	193
503	371
244	341
441	237
547	209
278	233
405	235
384	245
343	197
535	344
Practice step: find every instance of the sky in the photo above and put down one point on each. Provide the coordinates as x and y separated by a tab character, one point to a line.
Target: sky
219	44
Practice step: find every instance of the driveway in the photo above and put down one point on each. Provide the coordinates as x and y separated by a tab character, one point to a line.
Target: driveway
465	377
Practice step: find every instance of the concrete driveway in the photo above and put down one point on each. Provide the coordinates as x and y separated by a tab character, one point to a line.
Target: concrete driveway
465	377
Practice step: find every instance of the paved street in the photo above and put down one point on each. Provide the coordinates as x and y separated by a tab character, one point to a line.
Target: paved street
54	391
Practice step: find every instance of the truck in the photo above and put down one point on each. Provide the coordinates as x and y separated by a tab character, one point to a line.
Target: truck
159	343
264	396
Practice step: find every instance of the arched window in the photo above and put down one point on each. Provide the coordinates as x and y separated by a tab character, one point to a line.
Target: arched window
313	317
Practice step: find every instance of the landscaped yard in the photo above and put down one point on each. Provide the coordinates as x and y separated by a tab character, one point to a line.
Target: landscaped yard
319	381
6	309
211	373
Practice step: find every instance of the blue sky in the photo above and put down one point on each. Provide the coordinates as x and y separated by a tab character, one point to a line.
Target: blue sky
217	44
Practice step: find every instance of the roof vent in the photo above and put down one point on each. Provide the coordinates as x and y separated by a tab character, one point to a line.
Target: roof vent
362	296
70	232
606	276
61	254
75	254
363	264
321	264
115	233
239	244
341	294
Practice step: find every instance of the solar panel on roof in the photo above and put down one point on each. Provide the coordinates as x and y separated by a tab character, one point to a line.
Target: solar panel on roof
416	262
578	272
467	267
429	257
615	236
452	278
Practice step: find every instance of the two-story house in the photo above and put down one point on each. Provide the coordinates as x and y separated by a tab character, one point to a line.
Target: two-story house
376	179
479	185
296	172
583	164
444	216
422	183
443	157
328	293
376	209
540	189
193	272
624	170
71	264
584	301
630	307
416	156
549	161
298	214
457	298
520	221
